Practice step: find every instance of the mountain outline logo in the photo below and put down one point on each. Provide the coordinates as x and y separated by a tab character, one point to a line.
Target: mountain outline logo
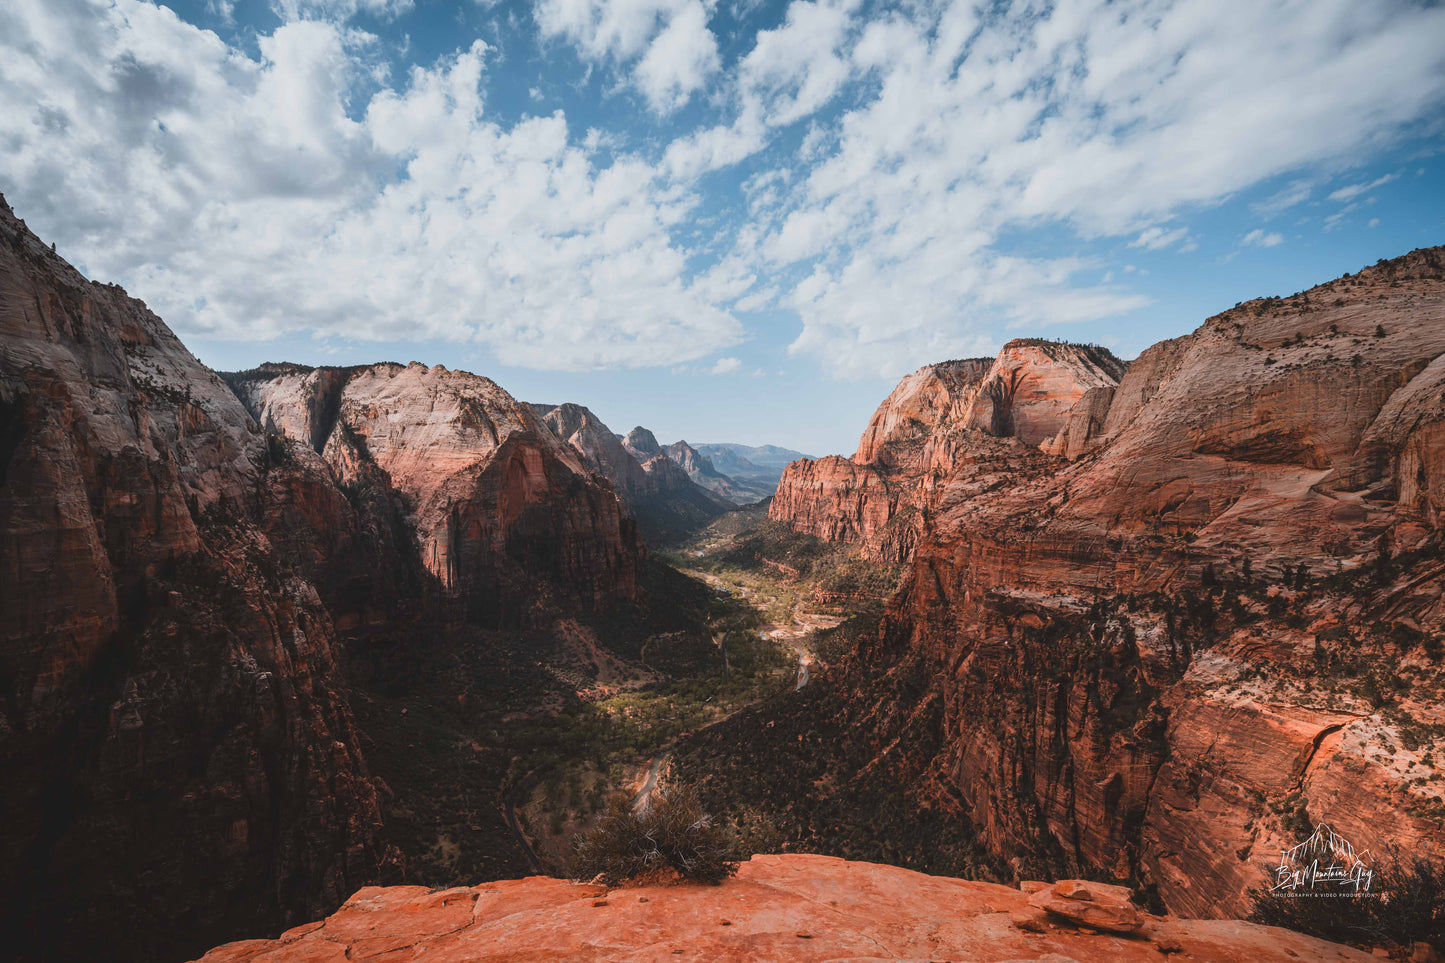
1325	864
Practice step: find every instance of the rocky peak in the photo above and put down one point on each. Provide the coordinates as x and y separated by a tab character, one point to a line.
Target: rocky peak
476	467
920	404
598	446
1028	392
688	457
642	443
658	492
934	423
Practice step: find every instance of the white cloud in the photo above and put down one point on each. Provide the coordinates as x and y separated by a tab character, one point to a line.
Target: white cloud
1157	238
889	159
337	10
1296	192
241	199
667	42
1355	190
960	126
1259	238
725	366
1374	222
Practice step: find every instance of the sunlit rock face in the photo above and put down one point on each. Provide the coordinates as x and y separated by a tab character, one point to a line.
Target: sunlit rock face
1198	615
492	494
790	908
175	751
940	422
660	493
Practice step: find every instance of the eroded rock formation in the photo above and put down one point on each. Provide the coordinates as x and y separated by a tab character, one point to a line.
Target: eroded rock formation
498	503
175	754
779	908
1220	622
184	560
932	427
665	501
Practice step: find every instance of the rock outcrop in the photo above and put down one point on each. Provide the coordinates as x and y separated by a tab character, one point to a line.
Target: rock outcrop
1220	623
666	502
933	426
498	503
187	563
779	908
172	707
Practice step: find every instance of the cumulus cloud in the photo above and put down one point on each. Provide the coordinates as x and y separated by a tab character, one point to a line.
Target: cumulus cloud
889	163
242	198
1260	238
1099	119
666	43
725	366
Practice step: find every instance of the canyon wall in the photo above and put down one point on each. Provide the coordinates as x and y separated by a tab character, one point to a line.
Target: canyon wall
503	512
926	431
177	757
1204	613
189	563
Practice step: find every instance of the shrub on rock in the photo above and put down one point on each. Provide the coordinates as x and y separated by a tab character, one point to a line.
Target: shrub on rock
673	835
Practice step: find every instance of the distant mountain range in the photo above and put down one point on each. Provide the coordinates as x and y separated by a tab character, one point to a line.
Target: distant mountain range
752	472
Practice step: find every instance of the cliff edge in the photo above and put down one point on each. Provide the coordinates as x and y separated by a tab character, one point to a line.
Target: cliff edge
779	908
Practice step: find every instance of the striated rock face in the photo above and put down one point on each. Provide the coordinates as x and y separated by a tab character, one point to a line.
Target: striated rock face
933	425
1218	624
497	501
666	502
172	711
782	908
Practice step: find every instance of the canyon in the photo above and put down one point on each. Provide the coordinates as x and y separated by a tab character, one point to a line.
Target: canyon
279	641
223	596
1158	619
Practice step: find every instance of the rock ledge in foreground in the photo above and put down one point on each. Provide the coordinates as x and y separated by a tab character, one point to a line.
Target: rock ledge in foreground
780	908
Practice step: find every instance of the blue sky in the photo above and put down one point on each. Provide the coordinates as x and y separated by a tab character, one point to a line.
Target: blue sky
728	221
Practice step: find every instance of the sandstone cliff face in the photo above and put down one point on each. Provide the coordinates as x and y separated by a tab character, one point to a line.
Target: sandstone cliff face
927	430
1126	643
1159	660
779	908
170	693
497	501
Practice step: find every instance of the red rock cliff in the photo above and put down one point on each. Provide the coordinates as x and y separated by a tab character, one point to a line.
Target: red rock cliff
1162	659
175	754
925	431
495	498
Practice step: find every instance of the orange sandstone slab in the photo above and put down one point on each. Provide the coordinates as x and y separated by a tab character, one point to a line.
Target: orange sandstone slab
779	908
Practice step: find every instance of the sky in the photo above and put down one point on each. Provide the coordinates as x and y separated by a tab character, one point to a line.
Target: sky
727	220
